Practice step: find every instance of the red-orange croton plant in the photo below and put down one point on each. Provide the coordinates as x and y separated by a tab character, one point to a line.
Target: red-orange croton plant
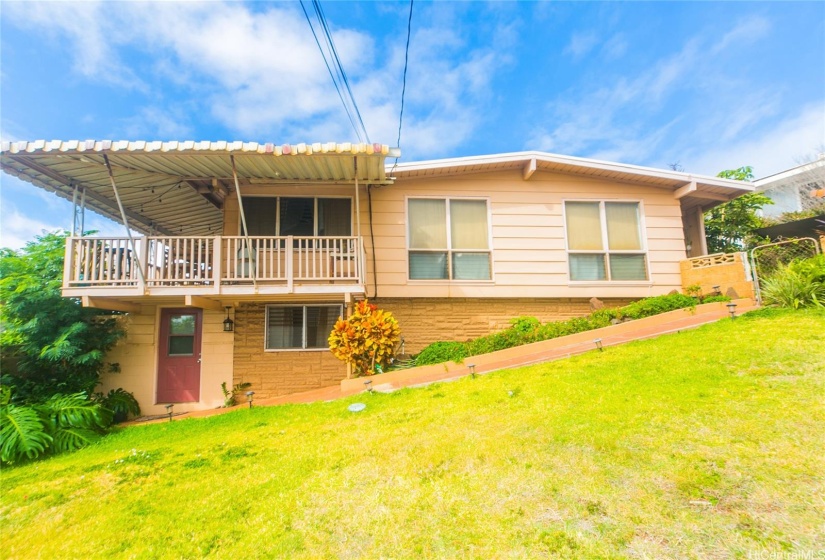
366	339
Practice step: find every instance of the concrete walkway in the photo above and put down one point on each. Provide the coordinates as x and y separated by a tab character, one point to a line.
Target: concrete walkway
548	350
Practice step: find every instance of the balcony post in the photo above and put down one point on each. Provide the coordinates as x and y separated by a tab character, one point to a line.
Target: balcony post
217	251
68	261
290	273
143	261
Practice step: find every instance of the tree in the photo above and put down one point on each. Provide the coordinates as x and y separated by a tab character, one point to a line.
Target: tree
729	226
59	345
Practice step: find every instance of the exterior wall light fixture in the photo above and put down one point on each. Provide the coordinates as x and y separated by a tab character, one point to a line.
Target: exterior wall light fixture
228	324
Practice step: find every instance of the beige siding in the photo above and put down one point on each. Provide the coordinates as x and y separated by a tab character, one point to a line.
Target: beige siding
137	358
528	230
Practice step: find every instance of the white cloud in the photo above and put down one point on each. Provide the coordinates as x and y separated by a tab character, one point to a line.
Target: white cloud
771	150
82	24
581	43
746	31
259	72
705	104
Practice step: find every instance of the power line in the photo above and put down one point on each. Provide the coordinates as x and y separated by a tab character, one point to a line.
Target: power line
404	81
339	77
322	18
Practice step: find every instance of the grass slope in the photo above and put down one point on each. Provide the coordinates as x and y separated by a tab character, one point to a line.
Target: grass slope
701	444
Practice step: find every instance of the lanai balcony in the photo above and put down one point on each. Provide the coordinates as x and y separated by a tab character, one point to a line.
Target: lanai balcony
183	203
212	266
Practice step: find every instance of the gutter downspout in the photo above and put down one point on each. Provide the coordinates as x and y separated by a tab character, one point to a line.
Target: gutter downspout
247	243
125	222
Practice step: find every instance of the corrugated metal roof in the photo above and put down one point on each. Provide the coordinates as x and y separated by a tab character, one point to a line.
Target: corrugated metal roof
178	187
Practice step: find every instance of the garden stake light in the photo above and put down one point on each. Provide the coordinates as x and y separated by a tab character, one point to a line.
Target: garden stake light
472	370
732	310
169	410
249	395
598	343
368	385
717	290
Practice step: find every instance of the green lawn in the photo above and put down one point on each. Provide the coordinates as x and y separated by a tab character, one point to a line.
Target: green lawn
707	443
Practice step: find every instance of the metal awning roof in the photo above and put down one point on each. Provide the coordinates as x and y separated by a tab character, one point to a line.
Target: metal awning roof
178	188
691	190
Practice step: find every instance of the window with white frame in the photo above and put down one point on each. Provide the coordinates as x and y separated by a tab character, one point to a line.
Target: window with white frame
300	327
604	241
449	239
303	217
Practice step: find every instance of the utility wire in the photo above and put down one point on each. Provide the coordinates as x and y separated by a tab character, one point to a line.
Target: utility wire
338	76
337	63
404	82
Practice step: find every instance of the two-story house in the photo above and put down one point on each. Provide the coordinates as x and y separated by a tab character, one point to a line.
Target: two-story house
237	258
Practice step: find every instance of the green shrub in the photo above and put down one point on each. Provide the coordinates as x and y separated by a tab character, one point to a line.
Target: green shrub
439	352
120	403
798	284
655	305
524	330
62	423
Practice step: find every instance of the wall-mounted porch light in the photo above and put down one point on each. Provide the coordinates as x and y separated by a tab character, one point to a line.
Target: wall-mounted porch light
249	395
228	324
732	310
169	410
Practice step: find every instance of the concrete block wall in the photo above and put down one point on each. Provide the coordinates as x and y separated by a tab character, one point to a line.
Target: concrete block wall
728	271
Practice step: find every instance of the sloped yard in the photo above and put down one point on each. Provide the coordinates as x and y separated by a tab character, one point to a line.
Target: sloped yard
706	443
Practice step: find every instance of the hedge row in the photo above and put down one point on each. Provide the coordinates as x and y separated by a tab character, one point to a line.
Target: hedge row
524	330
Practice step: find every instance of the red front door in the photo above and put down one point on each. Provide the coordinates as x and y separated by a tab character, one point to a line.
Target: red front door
179	355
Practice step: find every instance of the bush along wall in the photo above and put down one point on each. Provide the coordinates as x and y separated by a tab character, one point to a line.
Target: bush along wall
525	330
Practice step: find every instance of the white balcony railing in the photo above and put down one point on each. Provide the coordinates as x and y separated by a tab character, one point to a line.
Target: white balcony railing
220	263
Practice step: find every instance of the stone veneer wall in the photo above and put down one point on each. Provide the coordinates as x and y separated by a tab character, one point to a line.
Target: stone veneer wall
422	321
278	373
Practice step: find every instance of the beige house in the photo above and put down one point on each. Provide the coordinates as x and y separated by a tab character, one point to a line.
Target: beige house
276	242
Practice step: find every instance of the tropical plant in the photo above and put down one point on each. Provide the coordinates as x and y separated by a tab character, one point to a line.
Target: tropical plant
229	394
120	403
800	283
62	423
367	339
729	226
57	345
524	330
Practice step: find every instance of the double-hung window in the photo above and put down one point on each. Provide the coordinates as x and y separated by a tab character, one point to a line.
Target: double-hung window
449	239
604	241
301	217
300	327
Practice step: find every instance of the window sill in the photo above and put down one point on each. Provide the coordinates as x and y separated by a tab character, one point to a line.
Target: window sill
275	350
423	281
604	283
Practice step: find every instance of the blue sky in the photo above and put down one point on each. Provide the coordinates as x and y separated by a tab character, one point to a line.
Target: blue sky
709	85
